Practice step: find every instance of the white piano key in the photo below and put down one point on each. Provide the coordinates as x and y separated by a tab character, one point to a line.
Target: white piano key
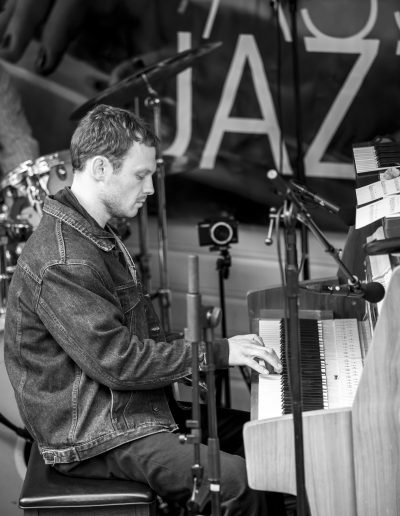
341	365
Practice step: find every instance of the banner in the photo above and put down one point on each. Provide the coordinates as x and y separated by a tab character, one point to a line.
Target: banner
291	87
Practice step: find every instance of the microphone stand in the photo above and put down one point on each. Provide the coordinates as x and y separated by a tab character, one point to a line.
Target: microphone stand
212	317
294	359
164	293
294	209
223	264
207	319
193	335
143	257
300	172
305	218
290	213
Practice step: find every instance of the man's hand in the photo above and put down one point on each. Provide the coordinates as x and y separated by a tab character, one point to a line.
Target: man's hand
57	23
249	350
391	173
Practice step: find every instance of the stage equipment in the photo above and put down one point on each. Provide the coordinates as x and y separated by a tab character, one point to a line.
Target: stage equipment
350	445
295	210
26	181
143	84
346	213
219	234
383	246
299	169
136	85
201	322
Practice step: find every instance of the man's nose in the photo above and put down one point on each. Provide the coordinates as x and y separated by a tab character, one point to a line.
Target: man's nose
148	186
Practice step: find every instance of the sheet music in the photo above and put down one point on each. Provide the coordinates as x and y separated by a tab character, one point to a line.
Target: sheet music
377	190
377	210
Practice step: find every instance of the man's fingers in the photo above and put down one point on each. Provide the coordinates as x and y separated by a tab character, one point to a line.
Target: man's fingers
26	17
259	367
269	356
62	26
5	16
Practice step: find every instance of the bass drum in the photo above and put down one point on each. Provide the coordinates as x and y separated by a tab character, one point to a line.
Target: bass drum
13	449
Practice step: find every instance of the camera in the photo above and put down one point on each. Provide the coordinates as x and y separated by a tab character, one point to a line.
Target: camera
218	232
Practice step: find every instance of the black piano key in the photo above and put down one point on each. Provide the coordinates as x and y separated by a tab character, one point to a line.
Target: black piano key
313	394
378	155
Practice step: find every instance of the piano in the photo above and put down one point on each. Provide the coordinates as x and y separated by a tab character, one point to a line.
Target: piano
351	443
332	359
375	156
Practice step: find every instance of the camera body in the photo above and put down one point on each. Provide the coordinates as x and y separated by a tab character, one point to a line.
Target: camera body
218	232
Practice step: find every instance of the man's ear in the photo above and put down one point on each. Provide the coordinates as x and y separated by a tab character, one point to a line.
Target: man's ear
99	167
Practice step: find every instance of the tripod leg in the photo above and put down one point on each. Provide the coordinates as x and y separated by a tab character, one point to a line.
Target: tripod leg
222	382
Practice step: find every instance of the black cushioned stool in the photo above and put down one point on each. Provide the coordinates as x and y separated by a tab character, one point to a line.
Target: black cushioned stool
46	492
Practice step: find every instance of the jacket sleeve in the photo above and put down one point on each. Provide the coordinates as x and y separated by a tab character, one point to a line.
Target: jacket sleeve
85	318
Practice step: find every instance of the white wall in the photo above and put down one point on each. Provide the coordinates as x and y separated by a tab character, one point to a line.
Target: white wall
254	267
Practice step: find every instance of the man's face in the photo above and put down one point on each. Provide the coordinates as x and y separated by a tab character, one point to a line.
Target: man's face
126	190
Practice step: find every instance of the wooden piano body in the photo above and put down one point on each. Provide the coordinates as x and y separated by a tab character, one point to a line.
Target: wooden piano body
352	455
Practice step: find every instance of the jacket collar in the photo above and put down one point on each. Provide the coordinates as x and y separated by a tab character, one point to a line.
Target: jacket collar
89	229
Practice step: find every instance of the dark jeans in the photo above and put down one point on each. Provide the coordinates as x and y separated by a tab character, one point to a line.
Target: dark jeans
162	462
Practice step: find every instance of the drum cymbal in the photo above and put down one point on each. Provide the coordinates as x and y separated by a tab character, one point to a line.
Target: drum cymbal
137	85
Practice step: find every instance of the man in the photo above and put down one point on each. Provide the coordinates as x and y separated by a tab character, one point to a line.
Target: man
84	350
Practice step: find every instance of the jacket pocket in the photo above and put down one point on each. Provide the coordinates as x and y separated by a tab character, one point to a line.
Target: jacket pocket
131	301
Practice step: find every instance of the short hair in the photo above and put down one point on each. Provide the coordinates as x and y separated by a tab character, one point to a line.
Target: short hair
110	132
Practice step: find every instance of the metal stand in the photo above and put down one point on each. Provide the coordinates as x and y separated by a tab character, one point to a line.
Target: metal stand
294	358
214	466
193	335
292	205
200	326
163	293
143	258
223	265
300	173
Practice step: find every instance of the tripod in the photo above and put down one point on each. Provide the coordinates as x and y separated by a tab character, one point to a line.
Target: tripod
222	383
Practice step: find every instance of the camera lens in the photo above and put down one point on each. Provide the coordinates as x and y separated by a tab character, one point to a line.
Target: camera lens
221	233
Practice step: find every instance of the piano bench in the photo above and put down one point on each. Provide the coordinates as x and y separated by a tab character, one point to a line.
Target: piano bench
46	492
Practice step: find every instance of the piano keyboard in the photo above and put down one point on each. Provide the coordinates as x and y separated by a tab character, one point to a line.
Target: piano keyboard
331	366
375	157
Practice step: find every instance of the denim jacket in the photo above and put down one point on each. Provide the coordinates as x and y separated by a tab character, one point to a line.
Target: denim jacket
84	350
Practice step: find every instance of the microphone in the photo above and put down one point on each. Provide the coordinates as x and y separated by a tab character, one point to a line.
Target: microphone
372	292
347	214
316	198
